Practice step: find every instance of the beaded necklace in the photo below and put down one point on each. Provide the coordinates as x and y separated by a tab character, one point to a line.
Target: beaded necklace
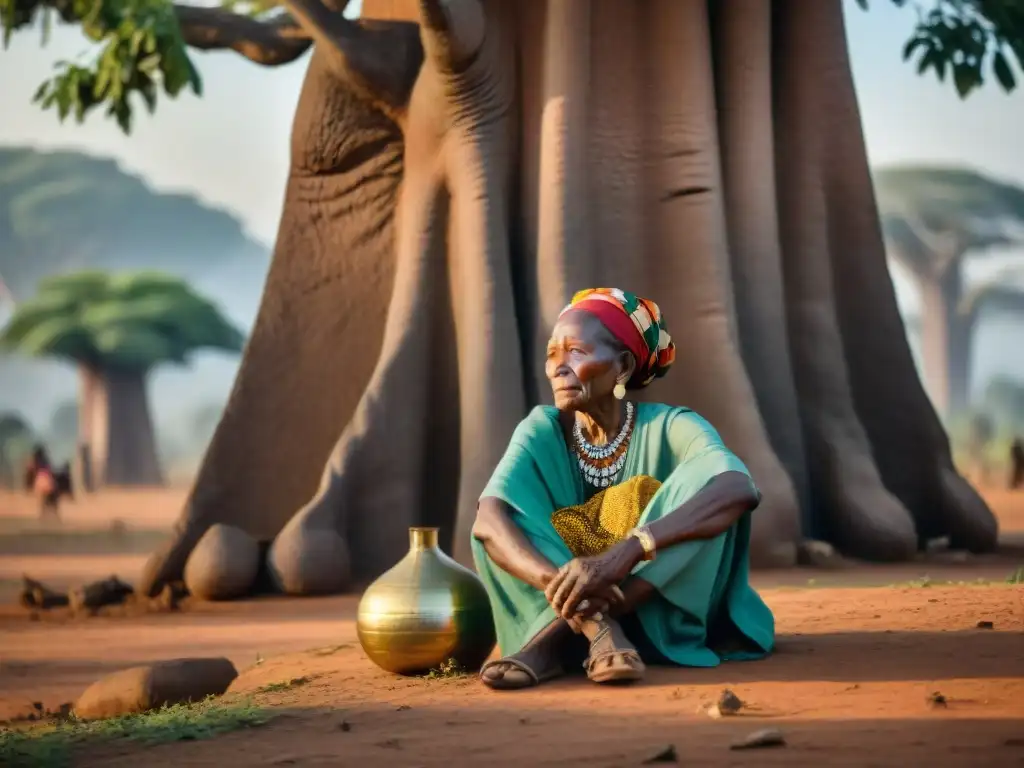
600	464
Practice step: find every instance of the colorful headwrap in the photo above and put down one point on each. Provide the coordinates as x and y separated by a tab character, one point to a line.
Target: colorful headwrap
637	323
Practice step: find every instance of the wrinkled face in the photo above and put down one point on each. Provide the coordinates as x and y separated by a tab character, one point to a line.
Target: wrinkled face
584	362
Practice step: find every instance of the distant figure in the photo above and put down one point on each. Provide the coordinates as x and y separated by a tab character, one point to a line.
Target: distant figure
47	483
1016	464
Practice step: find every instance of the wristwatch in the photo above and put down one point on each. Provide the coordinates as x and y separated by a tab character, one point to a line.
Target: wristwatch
643	535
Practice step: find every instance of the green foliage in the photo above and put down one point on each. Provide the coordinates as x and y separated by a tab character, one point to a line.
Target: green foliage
141	52
53	746
966	39
122	321
12	427
1003	402
947	198
982	436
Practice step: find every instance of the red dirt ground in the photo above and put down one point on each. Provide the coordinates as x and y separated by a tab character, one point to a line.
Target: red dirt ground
849	684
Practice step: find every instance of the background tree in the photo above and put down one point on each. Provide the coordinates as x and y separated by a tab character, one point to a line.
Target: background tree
16	437
459	168
982	435
65	211
935	219
62	431
116	329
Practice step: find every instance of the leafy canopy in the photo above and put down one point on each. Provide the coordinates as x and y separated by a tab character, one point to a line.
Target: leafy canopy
948	199
142	48
965	38
128	321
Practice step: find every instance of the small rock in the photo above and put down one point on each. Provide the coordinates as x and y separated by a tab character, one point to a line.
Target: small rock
768	737
937	700
143	688
729	703
223	565
818	554
402	708
345	726
89	597
36	595
986	625
665	755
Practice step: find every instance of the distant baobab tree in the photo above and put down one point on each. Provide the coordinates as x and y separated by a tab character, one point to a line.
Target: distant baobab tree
934	220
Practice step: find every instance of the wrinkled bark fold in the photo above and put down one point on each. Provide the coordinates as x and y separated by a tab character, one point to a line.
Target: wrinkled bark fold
714	164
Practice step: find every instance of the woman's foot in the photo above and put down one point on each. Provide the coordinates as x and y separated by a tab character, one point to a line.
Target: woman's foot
538	662
612	658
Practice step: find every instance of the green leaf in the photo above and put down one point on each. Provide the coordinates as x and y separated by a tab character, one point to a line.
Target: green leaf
85	286
57	337
1003	73
913	44
965	79
30	315
136	347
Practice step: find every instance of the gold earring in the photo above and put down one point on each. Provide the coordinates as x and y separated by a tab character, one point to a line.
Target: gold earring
619	391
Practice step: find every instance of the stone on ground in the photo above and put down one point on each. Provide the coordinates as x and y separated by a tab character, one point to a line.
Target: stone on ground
91	597
223	565
152	686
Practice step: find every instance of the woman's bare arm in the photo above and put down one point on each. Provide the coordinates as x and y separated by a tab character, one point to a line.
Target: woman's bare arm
710	513
508	546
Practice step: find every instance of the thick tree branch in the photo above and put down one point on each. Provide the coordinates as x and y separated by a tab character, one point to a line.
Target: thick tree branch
994	294
378	59
455	28
273	42
926	253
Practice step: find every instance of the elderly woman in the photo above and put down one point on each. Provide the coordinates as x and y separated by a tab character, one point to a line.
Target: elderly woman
627	523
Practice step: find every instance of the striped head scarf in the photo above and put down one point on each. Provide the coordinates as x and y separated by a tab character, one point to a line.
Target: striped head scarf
637	323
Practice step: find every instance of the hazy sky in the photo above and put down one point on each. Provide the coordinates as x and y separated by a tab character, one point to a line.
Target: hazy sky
231	146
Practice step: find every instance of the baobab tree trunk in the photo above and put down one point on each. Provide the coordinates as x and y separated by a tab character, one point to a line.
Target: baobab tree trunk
946	335
117	425
534	162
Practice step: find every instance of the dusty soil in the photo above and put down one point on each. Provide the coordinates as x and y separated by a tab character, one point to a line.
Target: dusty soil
849	684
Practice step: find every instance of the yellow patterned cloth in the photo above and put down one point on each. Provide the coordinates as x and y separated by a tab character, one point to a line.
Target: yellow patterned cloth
607	517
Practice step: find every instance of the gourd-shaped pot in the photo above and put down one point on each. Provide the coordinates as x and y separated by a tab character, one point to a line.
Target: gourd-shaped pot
425	612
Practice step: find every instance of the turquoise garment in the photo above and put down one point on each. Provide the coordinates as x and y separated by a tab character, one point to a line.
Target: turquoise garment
703	585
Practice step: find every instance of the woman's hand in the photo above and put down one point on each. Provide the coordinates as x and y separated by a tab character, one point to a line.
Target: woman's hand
592	577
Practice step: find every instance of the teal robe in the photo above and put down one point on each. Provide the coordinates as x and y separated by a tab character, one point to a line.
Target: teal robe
702	586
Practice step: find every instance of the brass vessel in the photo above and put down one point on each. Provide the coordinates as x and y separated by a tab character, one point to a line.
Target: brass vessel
425	611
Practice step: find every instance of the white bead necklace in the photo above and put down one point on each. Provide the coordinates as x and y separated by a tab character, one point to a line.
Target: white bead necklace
594	461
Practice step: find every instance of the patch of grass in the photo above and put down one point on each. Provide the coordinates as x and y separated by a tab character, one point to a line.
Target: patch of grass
447	670
52	745
1017	577
284	685
926	581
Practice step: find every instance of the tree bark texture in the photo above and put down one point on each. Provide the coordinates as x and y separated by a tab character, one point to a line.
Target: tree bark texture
117	424
708	155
